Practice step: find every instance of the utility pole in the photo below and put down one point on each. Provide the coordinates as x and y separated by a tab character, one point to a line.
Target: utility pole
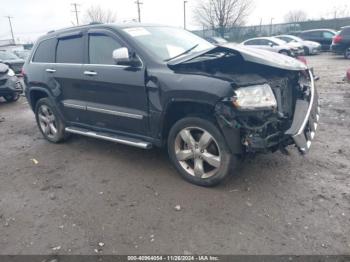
13	37
260	26
76	11
138	9
185	2
271	25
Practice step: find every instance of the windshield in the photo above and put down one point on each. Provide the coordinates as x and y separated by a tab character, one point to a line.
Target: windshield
167	42
8	56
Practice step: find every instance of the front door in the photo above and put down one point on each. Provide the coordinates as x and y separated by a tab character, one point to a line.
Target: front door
116	97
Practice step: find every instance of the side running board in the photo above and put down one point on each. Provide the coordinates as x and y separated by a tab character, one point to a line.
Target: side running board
109	137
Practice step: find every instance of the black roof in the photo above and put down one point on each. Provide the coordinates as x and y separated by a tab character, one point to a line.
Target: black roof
99	25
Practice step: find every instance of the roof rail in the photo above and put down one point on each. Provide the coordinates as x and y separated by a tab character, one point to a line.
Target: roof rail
95	23
51	31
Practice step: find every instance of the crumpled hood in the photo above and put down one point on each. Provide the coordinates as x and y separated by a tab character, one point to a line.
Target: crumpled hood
268	58
253	55
3	68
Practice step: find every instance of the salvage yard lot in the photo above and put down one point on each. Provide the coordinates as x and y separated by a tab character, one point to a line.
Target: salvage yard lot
85	192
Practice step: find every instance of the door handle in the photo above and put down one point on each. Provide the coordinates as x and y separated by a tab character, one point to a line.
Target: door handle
49	70
90	73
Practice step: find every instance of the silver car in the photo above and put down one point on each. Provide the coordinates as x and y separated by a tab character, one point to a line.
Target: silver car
310	47
275	45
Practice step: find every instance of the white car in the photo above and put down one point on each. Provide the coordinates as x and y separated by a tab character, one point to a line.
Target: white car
273	44
310	47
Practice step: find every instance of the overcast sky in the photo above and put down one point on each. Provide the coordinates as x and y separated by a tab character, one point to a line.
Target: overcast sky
34	18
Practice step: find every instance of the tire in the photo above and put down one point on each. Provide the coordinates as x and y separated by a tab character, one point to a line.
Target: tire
12	98
190	158
49	121
306	51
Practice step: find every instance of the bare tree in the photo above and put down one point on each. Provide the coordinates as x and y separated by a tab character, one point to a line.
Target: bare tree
295	16
222	14
97	14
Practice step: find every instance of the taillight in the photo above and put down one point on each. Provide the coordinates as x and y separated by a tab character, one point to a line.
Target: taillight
348	75
337	39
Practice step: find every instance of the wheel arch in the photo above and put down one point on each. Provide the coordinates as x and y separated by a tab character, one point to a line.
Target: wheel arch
179	109
35	94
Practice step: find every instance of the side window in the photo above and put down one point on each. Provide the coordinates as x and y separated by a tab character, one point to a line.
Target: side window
252	42
327	35
101	49
264	42
70	50
45	53
315	34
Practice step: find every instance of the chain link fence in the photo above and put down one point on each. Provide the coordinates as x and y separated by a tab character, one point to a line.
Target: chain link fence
238	34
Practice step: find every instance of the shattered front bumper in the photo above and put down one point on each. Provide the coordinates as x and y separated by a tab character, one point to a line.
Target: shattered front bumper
305	121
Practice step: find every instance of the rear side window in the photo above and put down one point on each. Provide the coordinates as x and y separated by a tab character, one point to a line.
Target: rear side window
70	50
253	42
45	53
101	49
328	35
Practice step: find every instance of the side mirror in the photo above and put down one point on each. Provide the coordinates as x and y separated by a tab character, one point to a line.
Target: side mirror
271	44
121	56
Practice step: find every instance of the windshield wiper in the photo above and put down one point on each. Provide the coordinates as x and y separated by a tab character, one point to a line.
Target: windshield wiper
183	53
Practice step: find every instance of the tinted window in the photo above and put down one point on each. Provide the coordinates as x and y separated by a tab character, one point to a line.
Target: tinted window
45	53
101	48
70	50
310	34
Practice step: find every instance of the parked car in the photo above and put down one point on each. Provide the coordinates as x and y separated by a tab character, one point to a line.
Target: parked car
322	36
10	86
23	54
310	47
13	61
216	40
146	85
275	45
341	42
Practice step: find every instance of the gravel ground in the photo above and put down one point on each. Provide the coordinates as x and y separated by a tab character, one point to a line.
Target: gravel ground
88	196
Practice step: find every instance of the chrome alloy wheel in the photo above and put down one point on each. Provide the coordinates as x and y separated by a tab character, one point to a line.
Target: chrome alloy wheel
197	152
47	121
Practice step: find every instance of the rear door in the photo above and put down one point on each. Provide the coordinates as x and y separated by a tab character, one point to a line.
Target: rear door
115	94
68	77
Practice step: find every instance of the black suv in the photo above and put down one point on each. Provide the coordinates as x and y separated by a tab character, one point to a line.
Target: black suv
322	36
145	85
341	42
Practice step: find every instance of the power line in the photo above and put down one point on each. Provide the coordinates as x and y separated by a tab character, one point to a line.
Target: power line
13	37
138	3
76	11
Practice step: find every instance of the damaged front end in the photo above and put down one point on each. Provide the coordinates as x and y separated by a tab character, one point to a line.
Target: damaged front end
292	119
273	103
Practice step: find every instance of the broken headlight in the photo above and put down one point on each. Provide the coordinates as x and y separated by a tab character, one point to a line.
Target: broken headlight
10	72
254	97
